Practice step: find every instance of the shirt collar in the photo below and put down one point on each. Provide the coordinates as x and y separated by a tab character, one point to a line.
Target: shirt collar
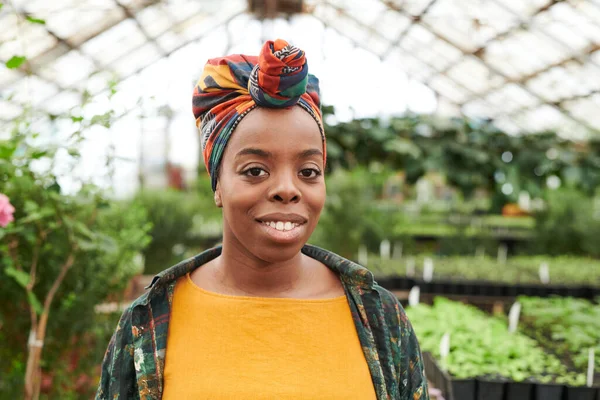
350	272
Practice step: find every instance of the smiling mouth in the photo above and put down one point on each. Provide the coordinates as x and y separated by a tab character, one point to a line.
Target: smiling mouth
281	226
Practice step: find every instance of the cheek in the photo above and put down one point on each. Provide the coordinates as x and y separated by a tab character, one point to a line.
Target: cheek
316	198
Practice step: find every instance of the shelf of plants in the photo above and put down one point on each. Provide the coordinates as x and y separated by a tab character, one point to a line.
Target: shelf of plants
486	362
568	327
459	275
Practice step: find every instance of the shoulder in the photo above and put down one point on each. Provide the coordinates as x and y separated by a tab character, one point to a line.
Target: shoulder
390	304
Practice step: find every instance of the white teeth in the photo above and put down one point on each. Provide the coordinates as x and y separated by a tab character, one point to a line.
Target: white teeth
282	226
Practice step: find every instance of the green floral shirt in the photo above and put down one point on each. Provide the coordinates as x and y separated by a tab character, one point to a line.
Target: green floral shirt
134	363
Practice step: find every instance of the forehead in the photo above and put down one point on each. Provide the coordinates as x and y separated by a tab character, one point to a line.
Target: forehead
278	129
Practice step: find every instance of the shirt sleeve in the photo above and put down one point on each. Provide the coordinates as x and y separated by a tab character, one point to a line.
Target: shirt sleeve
118	378
407	352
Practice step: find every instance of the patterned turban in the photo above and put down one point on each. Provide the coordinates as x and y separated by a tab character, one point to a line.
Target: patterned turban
232	86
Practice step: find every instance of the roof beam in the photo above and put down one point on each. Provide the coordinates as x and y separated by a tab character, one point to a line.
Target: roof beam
414	19
374	32
493	69
560	103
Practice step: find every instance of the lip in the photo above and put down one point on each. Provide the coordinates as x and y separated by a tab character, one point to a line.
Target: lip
283	237
283	217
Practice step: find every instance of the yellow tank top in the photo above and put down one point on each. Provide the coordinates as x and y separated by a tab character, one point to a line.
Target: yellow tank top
223	347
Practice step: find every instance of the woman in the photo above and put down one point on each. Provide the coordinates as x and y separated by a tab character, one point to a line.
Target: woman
266	316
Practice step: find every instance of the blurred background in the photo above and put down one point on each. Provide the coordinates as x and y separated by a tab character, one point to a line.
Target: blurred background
463	159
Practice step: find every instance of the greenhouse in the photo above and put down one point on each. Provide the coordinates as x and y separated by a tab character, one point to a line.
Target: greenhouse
461	143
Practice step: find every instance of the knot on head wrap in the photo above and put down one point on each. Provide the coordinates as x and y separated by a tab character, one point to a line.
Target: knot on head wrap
230	87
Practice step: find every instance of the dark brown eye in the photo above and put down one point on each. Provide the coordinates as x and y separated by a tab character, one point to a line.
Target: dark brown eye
310	173
255	172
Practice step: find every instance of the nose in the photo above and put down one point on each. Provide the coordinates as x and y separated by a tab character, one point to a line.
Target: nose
285	189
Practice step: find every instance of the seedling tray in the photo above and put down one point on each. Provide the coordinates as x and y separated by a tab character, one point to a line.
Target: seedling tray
484	389
486	288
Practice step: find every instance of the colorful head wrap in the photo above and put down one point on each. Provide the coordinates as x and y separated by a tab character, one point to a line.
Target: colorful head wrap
230	87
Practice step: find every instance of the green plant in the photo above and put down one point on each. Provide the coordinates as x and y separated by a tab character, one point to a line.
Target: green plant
570	224
481	346
520	269
350	218
181	222
65	252
567	326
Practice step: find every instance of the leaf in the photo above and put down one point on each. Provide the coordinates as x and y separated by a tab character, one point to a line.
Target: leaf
21	277
1	5
15	62
38	154
76	119
35	303
35	20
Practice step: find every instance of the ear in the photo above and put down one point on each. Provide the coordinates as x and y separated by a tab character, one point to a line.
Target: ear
218	201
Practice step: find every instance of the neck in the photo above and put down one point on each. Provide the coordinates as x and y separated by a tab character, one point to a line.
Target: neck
240	272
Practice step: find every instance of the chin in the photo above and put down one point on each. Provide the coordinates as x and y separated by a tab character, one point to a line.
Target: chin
276	253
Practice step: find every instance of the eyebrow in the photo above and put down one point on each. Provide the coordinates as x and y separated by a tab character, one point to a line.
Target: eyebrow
254	152
267	154
310	152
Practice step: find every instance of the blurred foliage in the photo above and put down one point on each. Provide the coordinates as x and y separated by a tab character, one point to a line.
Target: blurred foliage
183	223
570	270
349	217
471	154
81	244
569	224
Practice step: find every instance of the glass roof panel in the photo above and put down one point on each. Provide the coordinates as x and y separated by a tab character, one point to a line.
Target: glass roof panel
81	18
8	111
29	40
579	24
565	82
390	24
525	8
553	53
474	75
436	53
8	76
469	24
365	11
523	53
103	47
586	109
449	89
62	102
414	7
31	89
414	68
136	60
479	109
68	69
155	19
511	97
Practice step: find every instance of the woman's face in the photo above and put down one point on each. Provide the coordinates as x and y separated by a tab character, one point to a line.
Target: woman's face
271	183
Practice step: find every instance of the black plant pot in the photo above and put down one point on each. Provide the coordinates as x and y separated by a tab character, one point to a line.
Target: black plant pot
581	393
511	291
463	389
490	390
549	391
437	287
401	283
518	391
